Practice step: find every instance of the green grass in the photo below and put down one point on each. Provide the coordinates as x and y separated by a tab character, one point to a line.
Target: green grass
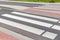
38	0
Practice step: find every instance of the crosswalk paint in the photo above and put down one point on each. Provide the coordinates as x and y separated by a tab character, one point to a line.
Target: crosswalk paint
59	21
49	35
57	27
38	17
23	27
14	34
28	20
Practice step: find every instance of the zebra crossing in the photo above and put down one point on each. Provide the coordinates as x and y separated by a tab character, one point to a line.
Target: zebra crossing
38	17
21	26
6	19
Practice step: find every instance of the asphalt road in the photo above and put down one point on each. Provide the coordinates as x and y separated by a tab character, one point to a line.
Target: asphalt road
21	4
35	35
24	32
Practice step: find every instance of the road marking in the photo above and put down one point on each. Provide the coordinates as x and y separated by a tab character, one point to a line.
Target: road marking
28	20
57	27
38	17
14	34
23	27
59	21
49	35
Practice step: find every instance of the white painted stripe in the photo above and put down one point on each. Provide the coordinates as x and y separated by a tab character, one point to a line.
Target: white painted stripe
49	35
28	20
14	34
57	27
38	17
59	21
23	27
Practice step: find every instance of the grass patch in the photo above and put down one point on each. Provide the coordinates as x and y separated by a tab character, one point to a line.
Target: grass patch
38	0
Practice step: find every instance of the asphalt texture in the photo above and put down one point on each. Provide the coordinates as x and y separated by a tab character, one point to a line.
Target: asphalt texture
21	4
5	10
